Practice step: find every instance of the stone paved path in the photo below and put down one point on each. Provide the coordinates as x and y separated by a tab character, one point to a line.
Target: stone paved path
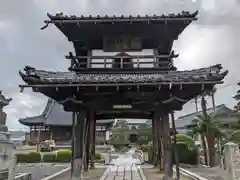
124	168
123	172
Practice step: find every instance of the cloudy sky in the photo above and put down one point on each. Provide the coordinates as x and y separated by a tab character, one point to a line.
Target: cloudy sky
213	39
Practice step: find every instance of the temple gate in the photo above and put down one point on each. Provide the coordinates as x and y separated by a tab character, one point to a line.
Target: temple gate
122	85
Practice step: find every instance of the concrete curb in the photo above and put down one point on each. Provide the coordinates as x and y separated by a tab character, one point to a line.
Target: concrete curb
59	174
23	176
143	177
190	175
105	174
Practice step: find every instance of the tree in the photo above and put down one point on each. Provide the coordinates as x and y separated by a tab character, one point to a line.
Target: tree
210	129
237	97
145	131
120	133
195	129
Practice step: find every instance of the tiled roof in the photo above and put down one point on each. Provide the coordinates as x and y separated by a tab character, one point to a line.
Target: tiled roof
183	14
54	114
200	75
187	119
33	120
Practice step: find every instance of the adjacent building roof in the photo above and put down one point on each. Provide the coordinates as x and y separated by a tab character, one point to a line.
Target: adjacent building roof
204	75
54	115
224	112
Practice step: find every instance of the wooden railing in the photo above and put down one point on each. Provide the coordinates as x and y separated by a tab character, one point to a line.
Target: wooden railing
133	61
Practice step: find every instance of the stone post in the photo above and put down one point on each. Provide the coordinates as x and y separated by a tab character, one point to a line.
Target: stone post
11	171
230	150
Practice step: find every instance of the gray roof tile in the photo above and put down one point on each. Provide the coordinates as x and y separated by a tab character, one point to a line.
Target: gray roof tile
187	119
200	75
54	114
183	14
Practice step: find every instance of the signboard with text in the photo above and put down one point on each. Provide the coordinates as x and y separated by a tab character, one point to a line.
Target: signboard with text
121	43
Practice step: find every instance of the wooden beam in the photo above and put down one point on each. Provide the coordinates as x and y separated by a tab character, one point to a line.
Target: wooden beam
117	84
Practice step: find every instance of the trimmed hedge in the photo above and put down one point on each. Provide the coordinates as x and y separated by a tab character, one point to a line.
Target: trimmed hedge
22	157
34	157
49	157
64	156
31	157
59	156
97	156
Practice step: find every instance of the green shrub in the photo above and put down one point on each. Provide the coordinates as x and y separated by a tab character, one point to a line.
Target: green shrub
49	157
97	156
142	141
235	136
34	157
100	161
64	156
150	154
118	147
183	138
186	154
22	157
145	148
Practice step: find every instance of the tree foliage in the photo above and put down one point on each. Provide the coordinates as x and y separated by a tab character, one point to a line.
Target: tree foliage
237	97
120	133
209	127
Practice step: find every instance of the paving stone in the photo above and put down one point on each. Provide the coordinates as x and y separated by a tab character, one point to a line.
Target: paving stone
124	168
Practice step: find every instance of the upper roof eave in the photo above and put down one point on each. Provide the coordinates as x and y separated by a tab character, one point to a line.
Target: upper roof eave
183	14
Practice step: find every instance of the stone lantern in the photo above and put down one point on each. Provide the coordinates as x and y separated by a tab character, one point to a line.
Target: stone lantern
3	116
6	145
6	148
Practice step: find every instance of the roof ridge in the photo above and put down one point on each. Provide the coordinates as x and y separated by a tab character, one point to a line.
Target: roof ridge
186	14
49	107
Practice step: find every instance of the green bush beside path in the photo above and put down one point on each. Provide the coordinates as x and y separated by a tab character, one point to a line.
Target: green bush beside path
49	157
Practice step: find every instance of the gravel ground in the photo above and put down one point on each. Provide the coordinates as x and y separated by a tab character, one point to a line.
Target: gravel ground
40	170
154	174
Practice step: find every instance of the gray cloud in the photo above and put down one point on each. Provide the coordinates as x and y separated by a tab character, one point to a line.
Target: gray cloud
214	38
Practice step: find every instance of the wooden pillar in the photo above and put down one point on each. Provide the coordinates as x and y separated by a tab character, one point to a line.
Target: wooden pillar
156	137
79	145
51	134
160	142
38	139
73	141
91	139
94	136
176	157
87	144
167	152
154	154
